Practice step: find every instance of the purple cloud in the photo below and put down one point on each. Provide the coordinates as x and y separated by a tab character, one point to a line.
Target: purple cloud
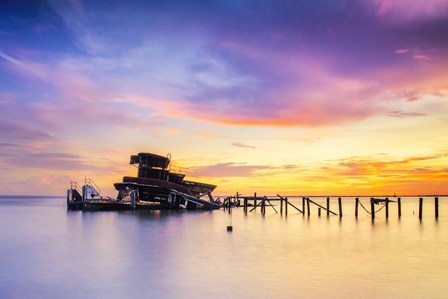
265	64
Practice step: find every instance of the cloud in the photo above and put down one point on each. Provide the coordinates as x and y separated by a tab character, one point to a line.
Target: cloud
74	98
408	166
31	156
407	11
305	64
402	114
239	144
229	169
14	131
19	156
419	54
38	185
232	169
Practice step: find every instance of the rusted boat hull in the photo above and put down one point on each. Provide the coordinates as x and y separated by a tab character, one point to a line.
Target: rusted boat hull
155	187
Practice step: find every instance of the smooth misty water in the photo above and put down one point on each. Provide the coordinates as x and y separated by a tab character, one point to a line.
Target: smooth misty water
48	252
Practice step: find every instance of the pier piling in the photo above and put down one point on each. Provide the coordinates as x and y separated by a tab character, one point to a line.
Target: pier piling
387	207
303	205
281	206
340	207
255	201
263	206
420	208
436	206
308	206
263	201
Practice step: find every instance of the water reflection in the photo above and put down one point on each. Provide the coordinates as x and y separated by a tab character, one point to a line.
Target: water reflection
48	252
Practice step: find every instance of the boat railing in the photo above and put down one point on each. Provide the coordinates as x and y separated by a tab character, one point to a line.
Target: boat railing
91	183
178	169
75	186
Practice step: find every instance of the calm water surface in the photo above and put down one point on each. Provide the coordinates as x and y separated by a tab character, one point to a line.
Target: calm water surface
49	252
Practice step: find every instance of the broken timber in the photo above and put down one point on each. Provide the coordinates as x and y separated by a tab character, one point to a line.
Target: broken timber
383	203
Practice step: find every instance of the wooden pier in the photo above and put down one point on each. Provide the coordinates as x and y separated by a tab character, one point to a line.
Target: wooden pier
377	204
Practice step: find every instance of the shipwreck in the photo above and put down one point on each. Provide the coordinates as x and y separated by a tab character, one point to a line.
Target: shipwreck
155	187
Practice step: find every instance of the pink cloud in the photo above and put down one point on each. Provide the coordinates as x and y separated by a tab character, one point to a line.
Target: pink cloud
77	99
419	54
315	94
419	80
409	10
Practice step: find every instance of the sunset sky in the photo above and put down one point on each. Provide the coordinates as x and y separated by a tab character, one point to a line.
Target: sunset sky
290	97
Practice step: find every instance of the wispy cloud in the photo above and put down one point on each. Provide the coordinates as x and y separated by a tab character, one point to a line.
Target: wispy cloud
232	169
402	114
229	169
30	156
409	166
409	11
288	74
14	131
239	144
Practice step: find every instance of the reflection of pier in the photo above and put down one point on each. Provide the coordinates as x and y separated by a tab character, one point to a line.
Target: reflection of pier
252	203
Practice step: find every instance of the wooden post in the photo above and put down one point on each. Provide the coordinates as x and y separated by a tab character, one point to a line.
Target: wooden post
356	207
245	205
399	207
308	206
263	206
318	212
303	205
328	207
133	200
281	206
286	206
420	208
237	200
340	207
255	201
387	207
436	206
372	208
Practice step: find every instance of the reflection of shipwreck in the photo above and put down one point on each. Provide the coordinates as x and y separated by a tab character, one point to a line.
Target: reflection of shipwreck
154	188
